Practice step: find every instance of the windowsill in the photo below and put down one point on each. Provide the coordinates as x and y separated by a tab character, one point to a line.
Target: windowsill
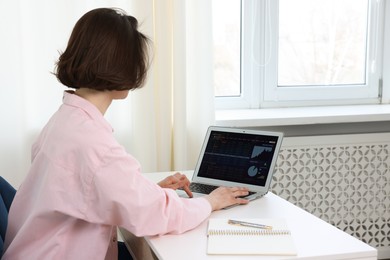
302	115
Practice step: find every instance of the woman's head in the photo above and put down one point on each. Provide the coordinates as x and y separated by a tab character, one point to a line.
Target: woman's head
105	52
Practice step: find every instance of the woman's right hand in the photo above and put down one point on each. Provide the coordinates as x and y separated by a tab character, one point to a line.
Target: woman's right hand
223	197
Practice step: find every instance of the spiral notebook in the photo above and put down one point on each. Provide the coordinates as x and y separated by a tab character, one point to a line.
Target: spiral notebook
229	239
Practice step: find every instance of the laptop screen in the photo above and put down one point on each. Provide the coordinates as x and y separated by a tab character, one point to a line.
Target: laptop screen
238	157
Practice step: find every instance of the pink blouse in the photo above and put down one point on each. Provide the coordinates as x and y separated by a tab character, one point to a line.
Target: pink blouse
82	185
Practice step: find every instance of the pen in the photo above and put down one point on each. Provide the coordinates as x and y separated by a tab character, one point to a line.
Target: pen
248	224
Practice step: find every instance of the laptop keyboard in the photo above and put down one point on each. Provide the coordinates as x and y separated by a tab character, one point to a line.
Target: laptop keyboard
202	188
207	188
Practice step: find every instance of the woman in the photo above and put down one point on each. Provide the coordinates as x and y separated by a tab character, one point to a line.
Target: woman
82	184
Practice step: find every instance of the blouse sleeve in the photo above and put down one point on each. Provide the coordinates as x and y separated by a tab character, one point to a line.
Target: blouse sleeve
122	196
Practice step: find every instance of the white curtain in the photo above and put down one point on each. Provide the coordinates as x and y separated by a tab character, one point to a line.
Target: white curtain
162	124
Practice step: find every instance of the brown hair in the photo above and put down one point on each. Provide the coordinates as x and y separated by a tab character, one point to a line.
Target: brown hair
105	52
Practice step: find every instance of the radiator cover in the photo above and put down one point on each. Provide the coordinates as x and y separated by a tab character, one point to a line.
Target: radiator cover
342	179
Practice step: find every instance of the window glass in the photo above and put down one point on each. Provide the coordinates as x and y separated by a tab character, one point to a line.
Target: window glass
226	33
322	42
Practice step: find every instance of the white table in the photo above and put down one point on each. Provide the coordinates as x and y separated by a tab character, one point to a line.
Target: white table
314	238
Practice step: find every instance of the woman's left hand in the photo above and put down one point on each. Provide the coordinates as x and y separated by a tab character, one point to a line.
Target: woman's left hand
177	181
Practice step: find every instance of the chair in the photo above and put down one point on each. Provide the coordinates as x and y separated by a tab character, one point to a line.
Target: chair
7	194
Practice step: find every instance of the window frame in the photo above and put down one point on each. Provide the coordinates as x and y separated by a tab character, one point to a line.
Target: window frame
259	68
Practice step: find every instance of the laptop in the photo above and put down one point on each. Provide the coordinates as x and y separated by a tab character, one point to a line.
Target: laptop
236	157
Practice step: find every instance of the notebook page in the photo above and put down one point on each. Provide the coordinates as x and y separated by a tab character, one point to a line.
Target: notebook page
224	238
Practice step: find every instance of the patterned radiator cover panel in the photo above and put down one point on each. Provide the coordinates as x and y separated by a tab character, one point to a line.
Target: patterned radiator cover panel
344	180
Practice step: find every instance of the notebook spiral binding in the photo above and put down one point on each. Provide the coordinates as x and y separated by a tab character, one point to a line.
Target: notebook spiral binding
257	232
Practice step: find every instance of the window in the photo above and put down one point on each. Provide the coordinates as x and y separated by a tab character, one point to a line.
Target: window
297	52
227	45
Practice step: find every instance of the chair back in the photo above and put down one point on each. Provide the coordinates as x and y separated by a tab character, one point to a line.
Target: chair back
7	194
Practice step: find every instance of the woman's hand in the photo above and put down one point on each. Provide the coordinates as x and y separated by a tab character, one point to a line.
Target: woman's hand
223	197
177	181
